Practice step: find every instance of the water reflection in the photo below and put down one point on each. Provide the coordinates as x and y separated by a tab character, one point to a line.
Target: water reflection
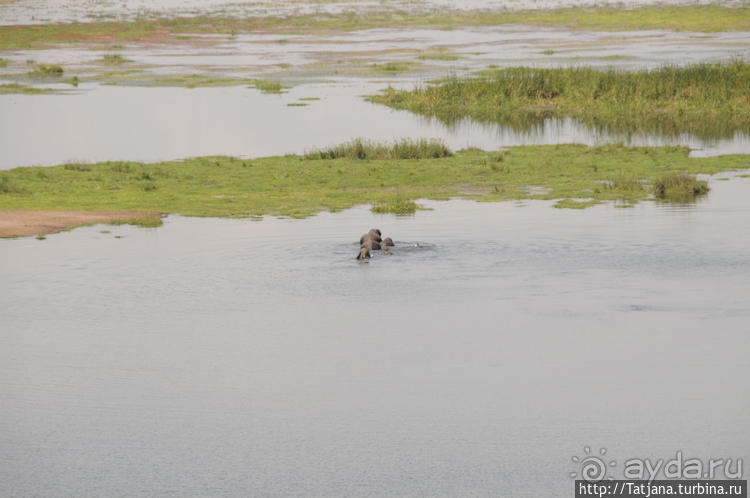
153	124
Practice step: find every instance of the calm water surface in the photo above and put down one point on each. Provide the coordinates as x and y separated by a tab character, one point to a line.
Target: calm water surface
158	124
234	358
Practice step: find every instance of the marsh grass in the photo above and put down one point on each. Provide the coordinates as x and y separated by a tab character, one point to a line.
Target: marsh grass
3	62
400	206
627	181
705	18
114	59
295	186
708	100
439	55
8	88
47	70
391	67
575	204
679	187
268	86
358	149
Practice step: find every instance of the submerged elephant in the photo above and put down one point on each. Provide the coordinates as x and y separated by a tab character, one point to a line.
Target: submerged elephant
388	242
373	234
371	245
364	253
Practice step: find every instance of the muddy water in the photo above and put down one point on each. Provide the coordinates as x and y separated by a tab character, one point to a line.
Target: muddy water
230	357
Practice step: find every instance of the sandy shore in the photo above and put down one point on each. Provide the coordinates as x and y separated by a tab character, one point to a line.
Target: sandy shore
21	223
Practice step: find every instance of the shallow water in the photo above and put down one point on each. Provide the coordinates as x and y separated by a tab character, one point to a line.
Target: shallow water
99	122
154	124
233	357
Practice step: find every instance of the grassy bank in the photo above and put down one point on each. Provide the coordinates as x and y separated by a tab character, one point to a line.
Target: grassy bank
709	18
294	186
711	101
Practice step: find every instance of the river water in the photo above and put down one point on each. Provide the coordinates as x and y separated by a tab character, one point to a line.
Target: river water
238	357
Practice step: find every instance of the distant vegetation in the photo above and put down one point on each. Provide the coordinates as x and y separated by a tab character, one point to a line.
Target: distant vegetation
18	88
710	101
402	149
114	59
706	18
295	186
47	70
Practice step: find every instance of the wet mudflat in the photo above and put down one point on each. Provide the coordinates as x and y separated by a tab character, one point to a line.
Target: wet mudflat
240	357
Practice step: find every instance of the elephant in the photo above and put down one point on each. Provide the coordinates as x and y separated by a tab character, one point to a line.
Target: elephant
371	245
373	234
388	242
363	253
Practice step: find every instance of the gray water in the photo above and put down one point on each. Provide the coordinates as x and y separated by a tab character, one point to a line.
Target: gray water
238	357
97	122
158	124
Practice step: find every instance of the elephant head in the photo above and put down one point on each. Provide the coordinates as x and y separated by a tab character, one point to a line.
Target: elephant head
373	234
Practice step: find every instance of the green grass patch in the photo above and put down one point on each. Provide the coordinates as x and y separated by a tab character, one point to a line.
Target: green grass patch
441	55
3	62
359	149
268	86
297	104
679	187
7	88
400	206
114	59
46	70
349	175
708	100
391	67
573	204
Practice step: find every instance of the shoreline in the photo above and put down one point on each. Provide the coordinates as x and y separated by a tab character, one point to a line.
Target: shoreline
27	223
40	200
